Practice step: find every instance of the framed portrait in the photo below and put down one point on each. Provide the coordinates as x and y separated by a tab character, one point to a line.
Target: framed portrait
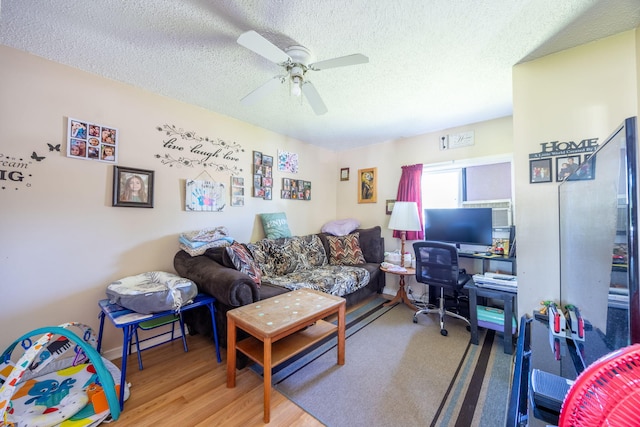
565	166
367	185
540	171
389	206
132	188
586	170
306	194
344	174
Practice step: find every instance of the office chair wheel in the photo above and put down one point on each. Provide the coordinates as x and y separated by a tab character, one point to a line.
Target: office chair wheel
444	332
415	319
468	328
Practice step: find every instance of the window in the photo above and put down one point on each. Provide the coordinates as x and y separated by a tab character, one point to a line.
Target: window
449	185
441	189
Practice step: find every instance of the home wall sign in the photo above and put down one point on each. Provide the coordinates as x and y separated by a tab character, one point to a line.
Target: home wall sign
565	148
186	148
570	156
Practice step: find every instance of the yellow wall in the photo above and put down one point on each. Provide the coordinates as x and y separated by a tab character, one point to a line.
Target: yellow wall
493	140
579	93
63	242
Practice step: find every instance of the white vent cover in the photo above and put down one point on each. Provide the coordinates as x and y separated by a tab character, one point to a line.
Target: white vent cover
501	210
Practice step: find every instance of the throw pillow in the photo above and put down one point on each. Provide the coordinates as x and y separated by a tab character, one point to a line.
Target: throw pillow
345	250
340	227
275	225
372	244
243	262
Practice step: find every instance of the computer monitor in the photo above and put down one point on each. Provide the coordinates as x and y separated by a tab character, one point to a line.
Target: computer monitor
469	226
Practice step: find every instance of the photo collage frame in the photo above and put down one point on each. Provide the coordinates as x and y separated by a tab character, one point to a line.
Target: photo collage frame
91	141
295	189
262	175
237	191
571	167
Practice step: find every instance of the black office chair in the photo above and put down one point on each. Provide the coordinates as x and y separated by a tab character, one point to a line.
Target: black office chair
437	265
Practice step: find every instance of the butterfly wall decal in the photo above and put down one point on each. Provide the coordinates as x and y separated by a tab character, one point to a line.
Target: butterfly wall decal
37	158
53	147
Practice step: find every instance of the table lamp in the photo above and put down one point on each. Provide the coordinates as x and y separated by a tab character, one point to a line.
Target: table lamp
404	217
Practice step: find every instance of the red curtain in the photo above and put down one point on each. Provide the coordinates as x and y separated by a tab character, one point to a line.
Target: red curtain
410	190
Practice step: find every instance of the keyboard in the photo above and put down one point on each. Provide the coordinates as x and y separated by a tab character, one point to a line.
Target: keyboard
467	252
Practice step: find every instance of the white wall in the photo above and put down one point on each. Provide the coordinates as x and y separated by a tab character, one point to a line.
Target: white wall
579	93
63	242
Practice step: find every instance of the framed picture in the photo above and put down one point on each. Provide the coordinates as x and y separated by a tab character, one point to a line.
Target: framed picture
237	191
389	206
565	166
132	187
257	163
540	171
306	194
344	174
586	170
367	185
90	141
204	196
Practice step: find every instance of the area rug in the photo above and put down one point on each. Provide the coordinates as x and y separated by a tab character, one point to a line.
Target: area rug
398	373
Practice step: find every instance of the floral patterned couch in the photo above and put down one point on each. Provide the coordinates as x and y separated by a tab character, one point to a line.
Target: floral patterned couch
347	266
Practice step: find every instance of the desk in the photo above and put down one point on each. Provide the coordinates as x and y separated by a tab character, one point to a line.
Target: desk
506	297
401	295
129	321
486	259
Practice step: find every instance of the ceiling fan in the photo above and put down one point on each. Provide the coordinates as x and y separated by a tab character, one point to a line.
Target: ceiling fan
295	61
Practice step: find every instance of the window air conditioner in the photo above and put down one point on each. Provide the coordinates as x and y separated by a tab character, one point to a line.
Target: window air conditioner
501	210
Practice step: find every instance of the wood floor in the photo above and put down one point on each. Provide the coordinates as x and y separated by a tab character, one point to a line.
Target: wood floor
190	389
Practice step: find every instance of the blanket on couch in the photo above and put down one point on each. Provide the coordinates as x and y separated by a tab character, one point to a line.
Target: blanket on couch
301	262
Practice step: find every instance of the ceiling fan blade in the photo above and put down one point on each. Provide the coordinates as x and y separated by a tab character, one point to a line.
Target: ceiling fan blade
263	90
313	97
356	58
263	47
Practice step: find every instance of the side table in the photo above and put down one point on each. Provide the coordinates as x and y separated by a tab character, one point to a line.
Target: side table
401	295
129	321
506	297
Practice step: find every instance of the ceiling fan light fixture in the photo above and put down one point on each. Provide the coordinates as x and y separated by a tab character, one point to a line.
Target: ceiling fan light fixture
296	83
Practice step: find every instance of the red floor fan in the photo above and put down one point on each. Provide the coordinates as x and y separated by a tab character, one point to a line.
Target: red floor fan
607	393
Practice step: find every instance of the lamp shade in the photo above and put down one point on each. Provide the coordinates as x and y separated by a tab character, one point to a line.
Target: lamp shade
404	217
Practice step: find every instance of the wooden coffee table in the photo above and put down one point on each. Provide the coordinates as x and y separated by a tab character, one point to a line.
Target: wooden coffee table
281	327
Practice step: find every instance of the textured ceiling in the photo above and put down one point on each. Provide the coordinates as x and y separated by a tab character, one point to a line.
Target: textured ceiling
433	64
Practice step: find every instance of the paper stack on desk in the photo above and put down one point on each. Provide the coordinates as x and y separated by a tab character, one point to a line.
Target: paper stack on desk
500	282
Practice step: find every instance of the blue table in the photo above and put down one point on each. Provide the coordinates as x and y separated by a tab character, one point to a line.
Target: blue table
129	321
